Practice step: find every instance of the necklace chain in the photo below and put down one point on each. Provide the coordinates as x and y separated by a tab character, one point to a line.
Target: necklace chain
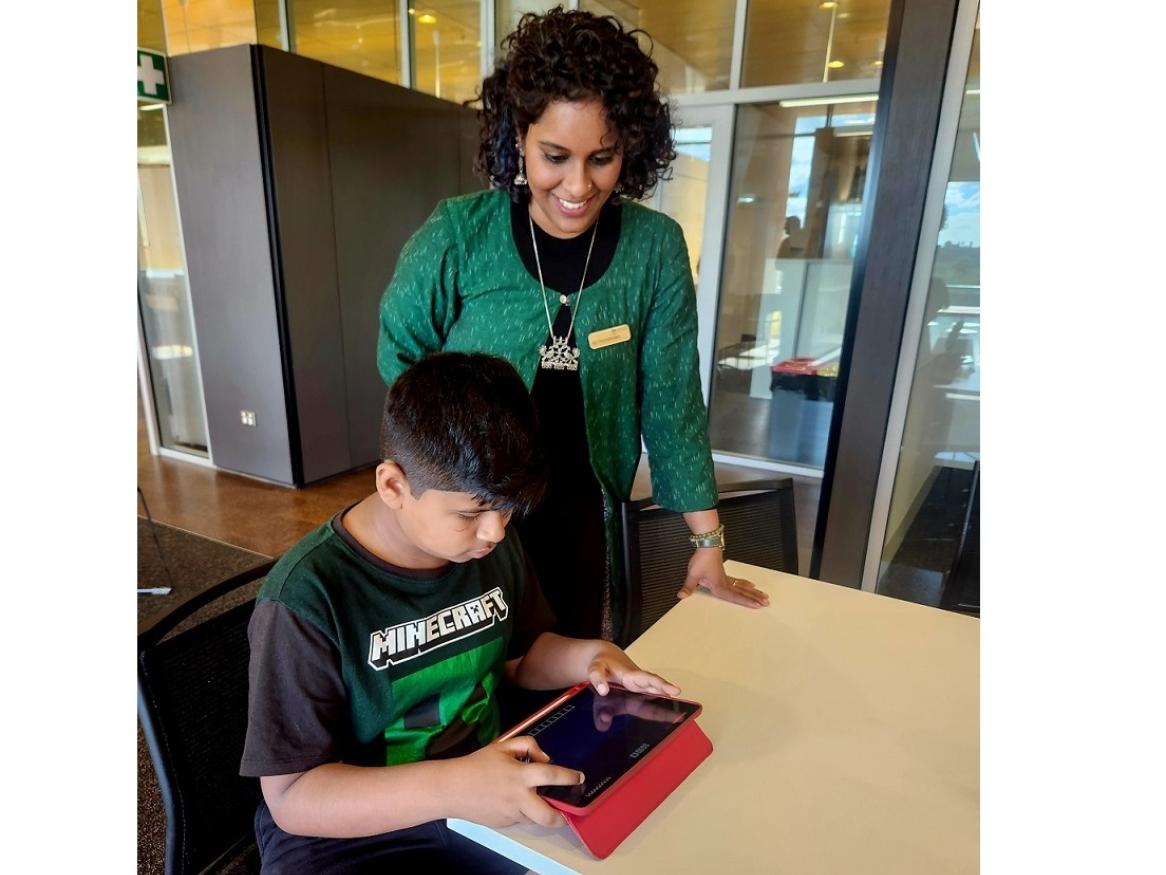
560	356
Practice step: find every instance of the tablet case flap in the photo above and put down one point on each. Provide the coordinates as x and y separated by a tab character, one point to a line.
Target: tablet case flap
625	808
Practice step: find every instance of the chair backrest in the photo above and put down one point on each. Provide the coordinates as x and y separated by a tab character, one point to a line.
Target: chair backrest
192	704
759	529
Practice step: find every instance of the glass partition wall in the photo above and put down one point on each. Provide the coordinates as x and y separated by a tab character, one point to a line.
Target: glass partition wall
795	210
168	366
446	41
167	323
358	35
929	552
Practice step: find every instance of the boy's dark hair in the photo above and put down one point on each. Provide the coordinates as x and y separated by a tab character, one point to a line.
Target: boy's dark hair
463	422
575	55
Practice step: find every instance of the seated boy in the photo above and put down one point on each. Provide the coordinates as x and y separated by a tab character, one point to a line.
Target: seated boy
379	640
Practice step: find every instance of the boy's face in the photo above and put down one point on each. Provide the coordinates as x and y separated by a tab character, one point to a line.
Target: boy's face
451	526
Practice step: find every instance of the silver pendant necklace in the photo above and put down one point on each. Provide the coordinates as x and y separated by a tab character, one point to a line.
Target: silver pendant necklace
560	356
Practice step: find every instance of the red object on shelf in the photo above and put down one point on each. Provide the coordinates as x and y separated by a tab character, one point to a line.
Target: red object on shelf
801	366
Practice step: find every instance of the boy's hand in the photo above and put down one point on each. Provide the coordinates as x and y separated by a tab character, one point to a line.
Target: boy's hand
612	666
495	786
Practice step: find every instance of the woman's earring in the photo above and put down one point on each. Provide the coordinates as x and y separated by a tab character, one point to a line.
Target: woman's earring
520	177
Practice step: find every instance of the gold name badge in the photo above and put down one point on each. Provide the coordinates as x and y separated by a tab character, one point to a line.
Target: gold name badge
609	336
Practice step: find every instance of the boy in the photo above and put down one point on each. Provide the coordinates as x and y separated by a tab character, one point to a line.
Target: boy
378	642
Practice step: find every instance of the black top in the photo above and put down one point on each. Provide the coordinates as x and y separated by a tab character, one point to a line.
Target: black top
564	536
562	259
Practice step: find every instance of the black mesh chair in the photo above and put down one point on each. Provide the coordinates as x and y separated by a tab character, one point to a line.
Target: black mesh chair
759	529
192	704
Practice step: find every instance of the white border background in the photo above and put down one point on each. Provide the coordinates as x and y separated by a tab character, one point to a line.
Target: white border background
68	347
1075	595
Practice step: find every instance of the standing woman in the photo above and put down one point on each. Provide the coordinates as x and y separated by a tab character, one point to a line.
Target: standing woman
586	293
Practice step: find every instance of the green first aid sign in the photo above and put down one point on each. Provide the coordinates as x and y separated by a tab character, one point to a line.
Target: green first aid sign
153	77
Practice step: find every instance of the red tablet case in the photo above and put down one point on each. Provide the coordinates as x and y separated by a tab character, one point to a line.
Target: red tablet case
623	808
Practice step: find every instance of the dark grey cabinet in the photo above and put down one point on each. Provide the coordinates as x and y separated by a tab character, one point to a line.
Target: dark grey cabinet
298	183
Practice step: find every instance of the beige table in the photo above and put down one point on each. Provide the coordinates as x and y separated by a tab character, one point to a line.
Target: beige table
845	729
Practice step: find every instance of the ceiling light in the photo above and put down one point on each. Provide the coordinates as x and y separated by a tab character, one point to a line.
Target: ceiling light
151	106
427	19
823	101
827	5
836	65
412	11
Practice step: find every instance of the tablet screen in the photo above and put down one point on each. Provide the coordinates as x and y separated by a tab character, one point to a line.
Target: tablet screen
604	736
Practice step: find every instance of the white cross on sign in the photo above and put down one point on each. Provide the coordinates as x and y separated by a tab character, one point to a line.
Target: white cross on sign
149	75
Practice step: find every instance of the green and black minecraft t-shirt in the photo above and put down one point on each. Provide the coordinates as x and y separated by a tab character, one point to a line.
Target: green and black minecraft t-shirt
355	660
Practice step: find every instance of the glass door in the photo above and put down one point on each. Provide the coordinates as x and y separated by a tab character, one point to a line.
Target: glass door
795	210
695	197
177	415
925	546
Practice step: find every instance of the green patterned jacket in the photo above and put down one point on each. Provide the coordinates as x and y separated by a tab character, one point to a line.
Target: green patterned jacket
460	285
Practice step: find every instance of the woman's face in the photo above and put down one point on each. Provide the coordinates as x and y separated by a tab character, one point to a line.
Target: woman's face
572	166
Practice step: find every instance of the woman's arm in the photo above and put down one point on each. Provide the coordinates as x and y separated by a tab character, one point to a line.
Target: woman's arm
707	567
419	306
675	423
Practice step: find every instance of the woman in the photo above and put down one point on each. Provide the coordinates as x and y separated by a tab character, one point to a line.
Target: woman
587	294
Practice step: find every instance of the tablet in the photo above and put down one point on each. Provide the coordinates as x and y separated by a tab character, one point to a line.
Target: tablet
604	737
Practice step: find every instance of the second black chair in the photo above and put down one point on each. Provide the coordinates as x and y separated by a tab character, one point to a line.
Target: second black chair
192	704
759	530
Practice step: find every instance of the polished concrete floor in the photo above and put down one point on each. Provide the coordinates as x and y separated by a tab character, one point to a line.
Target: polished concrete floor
269	518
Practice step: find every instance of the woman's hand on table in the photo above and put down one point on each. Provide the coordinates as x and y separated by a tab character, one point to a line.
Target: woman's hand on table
707	568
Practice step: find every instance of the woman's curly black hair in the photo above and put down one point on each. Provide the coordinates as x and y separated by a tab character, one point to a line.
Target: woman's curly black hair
573	55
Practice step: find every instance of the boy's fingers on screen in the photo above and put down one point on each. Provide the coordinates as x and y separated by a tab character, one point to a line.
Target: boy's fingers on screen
547	775
524	746
598	678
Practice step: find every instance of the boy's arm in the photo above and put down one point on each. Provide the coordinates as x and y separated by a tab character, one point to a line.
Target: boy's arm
492	786
296	711
553	662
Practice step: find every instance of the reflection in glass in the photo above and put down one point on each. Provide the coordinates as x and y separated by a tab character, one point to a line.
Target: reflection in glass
358	35
198	25
447	48
692	40
164	296
931	551
507	13
795	210
151	32
268	30
794	41
684	195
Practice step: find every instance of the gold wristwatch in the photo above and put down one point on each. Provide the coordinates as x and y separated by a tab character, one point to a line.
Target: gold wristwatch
715	538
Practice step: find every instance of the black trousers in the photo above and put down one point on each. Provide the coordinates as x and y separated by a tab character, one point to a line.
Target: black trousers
429	847
567	545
